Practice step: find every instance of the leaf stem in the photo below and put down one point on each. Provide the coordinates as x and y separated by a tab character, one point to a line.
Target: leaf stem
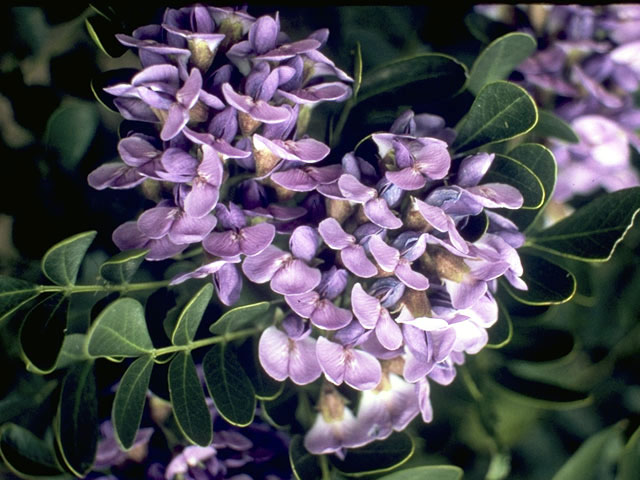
125	287
228	337
344	115
324	466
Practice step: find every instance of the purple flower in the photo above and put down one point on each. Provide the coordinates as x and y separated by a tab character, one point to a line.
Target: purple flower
392	261
375	208
372	315
289	354
352	254
128	236
175	223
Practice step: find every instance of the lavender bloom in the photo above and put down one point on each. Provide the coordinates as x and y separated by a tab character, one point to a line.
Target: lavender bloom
393	261
375	208
352	254
289	354
110	454
372	315
128	237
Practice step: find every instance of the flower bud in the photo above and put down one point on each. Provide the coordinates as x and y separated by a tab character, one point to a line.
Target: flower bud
447	265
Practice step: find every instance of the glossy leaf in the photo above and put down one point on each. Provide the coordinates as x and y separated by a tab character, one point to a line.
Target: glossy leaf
25	454
122	267
542	163
629	463
592	232
303	464
229	386
279	411
501	333
430	472
120	331
187	398
499	59
189	320
70	131
539	394
429	72
377	457
508	170
550	125
102	32
27	396
501	111
587	462
72	350
62	261
485	29
246	316
357	71
42	331
76	424
15	293
129	401
265	387
548	283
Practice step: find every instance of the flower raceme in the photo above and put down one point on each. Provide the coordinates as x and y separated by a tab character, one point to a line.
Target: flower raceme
385	286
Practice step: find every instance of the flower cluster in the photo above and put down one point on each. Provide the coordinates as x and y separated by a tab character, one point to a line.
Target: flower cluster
386	263
588	59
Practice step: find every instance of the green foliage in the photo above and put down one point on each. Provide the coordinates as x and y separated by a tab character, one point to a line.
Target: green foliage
128	404
122	267
120	331
499	59
303	464
548	283
431	472
377	457
187	398
76	423
15	293
238	318
73	350
25	454
501	111
629	463
592	232
229	386
501	333
189	320
505	169
550	125
62	262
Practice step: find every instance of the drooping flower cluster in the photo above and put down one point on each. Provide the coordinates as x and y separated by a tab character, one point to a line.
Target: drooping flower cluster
387	264
588	58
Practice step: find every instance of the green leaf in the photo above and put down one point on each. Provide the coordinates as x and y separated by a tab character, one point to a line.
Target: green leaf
501	333
62	261
120	331
357	71
102	32
508	170
42	332
377	457
25	454
191	315
427	73
499	59
15	293
591	233
542	163
430	472
70	131
28	395
122	267
240	317
501	111
485	29
629	463
539	394
72	350
587	462
550	125
129	401
229	386
304	465
189	405
76	423
548	283
279	411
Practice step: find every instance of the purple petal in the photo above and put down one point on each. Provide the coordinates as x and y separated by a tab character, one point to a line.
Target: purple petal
163	248
135	109
473	168
304	243
201	199
289	50
256	238
356	260
228	283
365	307
326	315
362	370
411	278
388	331
273	350
331	92
379	213
202	271
353	190
114	175
465	294
303	363
177	118
497	195
179	163
386	256
210	169
407	179
222	244
263	33
188	229
136	150
333	234
332	358
333	282
232	217
262	267
156	222
303	304
294	277
295	179
128	236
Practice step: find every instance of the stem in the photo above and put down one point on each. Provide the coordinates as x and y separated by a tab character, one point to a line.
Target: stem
126	287
228	337
324	466
337	132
